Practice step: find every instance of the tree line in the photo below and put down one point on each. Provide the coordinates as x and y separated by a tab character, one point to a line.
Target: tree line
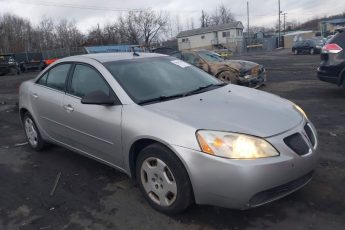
142	27
19	35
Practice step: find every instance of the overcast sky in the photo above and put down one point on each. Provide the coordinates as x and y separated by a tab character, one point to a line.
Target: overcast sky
87	13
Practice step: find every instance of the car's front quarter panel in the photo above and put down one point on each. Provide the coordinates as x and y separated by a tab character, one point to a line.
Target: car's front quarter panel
140	123
233	183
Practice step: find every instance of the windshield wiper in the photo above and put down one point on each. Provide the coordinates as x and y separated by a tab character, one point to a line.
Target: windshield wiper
160	98
203	88
166	98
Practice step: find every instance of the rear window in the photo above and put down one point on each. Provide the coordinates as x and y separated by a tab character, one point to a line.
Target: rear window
57	77
339	39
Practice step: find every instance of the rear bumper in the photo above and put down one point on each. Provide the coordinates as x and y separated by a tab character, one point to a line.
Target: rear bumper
327	77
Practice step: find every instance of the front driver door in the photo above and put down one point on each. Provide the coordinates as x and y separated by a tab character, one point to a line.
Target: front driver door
92	129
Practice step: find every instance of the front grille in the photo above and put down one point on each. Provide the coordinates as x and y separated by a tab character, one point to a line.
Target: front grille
279	191
297	143
310	134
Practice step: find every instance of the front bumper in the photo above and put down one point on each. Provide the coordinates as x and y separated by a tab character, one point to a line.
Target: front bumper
243	184
254	81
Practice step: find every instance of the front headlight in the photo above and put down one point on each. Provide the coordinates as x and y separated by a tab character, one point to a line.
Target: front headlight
234	145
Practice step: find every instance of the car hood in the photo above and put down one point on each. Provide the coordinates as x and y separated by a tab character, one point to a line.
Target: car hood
243	65
234	109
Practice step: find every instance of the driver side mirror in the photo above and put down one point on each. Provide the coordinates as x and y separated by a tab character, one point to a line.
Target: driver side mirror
98	98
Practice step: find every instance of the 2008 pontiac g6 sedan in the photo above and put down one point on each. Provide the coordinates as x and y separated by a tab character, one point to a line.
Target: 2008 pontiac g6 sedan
182	134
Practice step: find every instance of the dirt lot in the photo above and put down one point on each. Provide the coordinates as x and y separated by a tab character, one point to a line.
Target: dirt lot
90	195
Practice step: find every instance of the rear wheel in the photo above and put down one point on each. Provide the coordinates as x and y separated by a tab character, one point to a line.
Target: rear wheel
228	77
32	133
163	180
312	51
296	52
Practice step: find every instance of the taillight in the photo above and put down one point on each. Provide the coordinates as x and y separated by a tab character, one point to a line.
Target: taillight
331	49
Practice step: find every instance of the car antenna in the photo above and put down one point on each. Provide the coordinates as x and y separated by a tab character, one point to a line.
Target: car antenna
134	53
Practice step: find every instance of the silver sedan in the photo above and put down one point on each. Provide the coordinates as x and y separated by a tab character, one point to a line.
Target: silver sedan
182	134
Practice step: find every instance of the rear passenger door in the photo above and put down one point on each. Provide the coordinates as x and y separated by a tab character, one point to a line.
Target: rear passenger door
92	129
305	46
47	97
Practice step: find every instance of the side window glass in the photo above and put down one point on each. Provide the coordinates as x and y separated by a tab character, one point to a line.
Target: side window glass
177	55
86	80
57	77
190	58
43	80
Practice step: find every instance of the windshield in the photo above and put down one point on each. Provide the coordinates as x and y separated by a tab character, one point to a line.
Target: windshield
149	78
210	56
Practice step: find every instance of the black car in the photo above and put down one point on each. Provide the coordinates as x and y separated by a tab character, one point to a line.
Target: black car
332	65
8	64
308	46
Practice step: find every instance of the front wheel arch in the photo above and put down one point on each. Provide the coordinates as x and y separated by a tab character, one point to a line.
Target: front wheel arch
142	143
176	165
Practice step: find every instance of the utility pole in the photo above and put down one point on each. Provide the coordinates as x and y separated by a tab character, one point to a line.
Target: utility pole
246	39
247	17
279	12
284	14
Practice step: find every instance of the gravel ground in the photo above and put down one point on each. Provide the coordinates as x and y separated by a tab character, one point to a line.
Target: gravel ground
90	195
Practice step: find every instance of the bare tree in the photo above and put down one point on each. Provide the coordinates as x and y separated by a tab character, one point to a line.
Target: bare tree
191	23
150	25
46	33
178	24
204	19
221	15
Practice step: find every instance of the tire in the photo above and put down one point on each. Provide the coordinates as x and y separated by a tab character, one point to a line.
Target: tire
32	133
13	71
312	51
163	180
18	71
228	77
296	52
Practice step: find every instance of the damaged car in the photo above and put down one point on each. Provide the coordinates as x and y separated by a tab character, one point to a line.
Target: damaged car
238	72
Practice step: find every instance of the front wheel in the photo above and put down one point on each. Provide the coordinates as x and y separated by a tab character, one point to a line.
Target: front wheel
228	77
163	180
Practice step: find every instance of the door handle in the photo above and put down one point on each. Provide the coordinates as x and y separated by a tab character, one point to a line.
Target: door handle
35	95
68	108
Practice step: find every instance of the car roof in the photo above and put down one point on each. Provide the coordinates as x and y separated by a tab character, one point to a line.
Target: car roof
110	57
